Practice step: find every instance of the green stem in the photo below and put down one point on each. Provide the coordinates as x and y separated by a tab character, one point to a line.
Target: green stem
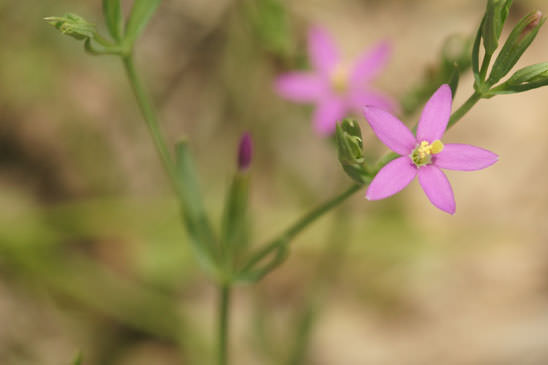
301	224
151	120
224	304
464	108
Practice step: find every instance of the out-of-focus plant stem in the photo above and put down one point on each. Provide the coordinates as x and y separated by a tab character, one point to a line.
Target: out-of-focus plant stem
464	108
149	114
327	270
301	224
224	308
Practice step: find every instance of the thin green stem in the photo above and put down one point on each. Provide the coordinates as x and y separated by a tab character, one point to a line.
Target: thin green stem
151	120
224	306
464	108
301	224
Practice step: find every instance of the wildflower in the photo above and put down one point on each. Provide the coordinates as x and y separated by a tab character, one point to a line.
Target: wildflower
423	155
334	88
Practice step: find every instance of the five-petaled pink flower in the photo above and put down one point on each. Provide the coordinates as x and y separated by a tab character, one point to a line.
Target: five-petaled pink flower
423	155
334	88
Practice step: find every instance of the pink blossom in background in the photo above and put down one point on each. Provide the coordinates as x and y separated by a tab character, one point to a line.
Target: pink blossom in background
333	88
423	155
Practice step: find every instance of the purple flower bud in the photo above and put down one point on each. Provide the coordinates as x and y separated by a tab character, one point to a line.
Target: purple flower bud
245	152
533	22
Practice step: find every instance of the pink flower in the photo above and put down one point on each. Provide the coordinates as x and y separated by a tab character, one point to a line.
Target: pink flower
334	88
423	155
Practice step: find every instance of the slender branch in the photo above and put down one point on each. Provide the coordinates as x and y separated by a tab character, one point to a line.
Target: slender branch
301	224
464	108
151	120
224	306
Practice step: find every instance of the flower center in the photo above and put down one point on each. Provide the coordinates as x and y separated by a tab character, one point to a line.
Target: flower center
422	154
339	79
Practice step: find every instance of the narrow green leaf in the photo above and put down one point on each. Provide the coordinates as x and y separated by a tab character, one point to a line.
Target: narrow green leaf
194	215
112	11
235	224
139	17
475	55
78	359
495	17
519	40
454	80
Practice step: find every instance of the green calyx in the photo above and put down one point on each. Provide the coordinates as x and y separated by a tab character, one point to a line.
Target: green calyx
349	140
73	25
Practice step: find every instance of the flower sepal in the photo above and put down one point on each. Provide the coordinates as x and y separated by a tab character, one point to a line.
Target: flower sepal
349	140
519	40
80	29
73	25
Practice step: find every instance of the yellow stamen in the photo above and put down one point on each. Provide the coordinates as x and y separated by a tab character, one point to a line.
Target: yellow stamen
437	147
422	155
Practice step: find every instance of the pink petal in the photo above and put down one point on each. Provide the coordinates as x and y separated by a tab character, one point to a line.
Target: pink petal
390	130
370	64
322	50
464	157
437	188
327	114
361	98
300	86
392	178
435	115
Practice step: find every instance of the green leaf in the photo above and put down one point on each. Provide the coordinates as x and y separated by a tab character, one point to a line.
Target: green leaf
194	215
519	40
73	25
528	74
495	17
235	224
271	24
454	80
78	359
112	11
139	17
475	56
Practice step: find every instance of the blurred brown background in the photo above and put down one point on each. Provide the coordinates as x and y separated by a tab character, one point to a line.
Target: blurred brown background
92	254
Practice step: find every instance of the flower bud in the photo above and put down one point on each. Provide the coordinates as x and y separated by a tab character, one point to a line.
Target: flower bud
245	152
349	140
73	25
529	74
519	40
